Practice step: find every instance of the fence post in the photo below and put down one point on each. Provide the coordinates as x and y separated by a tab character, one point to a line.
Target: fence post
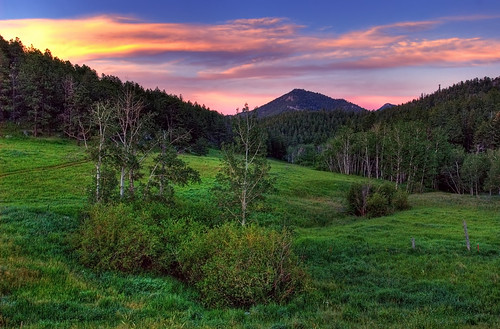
413	243
466	236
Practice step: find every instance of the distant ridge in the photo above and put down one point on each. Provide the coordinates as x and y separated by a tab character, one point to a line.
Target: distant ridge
303	100
386	106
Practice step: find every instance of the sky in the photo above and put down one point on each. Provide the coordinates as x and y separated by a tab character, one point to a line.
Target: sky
227	53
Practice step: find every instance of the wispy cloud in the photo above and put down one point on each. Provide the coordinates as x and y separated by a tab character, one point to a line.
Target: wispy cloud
246	49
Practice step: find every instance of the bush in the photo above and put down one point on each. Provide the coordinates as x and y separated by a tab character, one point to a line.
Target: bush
357	198
366	200
387	190
241	266
377	205
400	201
115	237
200	147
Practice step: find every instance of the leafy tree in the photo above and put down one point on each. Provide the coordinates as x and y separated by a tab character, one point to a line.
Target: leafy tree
375	201
244	177
103	117
493	179
240	266
474	172
168	169
130	128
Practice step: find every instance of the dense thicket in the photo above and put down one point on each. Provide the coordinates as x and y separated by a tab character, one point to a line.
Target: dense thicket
46	95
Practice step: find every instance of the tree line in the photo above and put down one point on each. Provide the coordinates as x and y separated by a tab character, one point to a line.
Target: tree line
449	140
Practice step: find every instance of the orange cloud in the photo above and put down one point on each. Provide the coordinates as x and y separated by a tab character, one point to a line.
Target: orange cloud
191	56
94	37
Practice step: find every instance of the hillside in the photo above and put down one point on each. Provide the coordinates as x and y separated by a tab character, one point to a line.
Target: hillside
47	96
303	100
363	272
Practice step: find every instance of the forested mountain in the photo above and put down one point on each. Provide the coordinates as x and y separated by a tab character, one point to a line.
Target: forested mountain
448	140
292	134
303	100
46	95
386	106
465	111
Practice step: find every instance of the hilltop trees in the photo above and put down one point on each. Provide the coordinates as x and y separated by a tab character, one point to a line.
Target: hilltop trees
45	95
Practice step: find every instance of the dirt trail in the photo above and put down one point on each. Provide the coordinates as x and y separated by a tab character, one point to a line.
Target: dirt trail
38	169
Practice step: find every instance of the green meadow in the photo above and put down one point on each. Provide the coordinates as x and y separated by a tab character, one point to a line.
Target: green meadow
363	272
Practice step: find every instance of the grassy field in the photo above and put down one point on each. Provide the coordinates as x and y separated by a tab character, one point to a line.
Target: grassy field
364	273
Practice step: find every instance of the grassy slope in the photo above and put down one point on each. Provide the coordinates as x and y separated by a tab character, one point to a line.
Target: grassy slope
364	272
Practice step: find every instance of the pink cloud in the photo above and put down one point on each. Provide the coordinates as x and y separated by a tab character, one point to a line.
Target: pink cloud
212	61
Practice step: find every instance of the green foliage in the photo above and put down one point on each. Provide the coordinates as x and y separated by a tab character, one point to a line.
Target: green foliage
400	200
115	237
108	186
167	170
474	172
377	205
357	198
388	191
242	266
293	128
492	182
366	199
244	178
200	147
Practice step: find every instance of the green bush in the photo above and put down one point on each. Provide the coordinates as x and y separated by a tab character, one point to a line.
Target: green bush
388	190
200	147
241	266
400	201
357	198
115	237
368	200
377	205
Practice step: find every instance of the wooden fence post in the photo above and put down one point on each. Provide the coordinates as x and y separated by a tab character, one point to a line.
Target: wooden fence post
466	236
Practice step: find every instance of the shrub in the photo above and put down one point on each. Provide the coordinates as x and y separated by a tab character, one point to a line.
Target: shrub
200	147
377	205
241	266
388	190
115	237
400	201
357	198
366	200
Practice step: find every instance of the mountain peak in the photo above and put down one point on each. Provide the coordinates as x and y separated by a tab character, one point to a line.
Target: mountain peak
303	100
386	106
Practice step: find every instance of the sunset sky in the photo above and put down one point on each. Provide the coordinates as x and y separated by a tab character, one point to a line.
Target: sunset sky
227	53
